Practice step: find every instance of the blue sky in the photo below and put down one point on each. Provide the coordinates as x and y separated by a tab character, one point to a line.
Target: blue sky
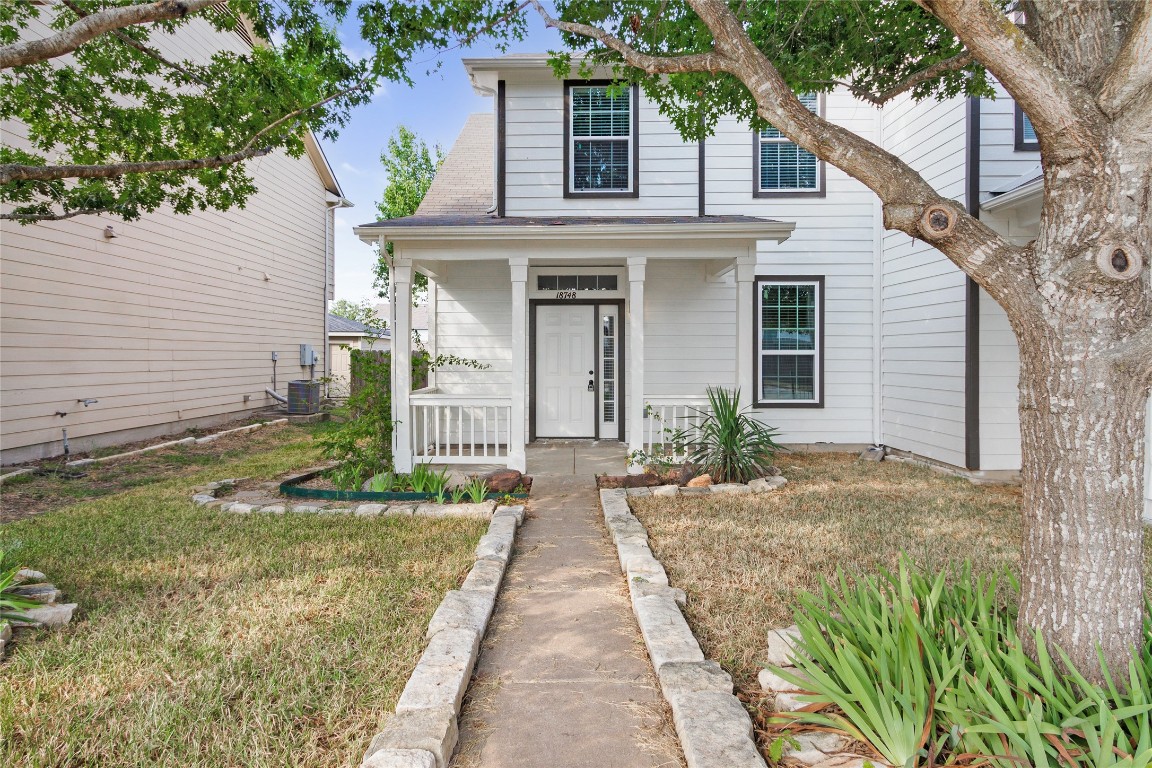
435	107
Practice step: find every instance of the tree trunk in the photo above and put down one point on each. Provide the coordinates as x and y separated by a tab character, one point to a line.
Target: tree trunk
1082	435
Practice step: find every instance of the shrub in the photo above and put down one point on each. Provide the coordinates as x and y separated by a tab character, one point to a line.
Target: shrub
364	440
728	443
919	668
12	605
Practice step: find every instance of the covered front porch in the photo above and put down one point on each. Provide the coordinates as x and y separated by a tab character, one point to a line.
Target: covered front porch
577	324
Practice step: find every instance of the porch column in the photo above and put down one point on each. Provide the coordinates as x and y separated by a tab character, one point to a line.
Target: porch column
402	362
745	326
635	352
517	429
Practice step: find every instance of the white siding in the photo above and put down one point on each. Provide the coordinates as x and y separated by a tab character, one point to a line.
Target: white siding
1000	161
174	319
534	127
474	320
999	389
1000	164
924	295
833	238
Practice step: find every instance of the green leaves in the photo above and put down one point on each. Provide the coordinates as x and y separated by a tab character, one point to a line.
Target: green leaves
411	169
195	87
817	45
729	444
12	605
919	668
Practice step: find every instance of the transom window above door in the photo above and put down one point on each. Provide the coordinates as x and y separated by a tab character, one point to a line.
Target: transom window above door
567	283
600	126
577	282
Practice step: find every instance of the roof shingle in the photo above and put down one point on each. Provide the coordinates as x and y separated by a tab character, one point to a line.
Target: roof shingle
464	183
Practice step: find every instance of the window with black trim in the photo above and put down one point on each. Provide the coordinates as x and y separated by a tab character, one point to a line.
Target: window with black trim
789	348
780	167
600	127
1025	133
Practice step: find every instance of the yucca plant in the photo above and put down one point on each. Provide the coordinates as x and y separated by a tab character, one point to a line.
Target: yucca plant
728	443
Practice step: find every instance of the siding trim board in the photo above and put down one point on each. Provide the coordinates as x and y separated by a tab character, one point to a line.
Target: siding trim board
634	146
972	299
501	147
701	207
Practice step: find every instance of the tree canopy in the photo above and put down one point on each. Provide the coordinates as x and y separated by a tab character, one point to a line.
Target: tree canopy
360	312
121	118
411	166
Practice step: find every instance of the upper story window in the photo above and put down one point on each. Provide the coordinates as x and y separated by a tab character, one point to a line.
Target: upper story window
1025	133
600	127
782	168
789	365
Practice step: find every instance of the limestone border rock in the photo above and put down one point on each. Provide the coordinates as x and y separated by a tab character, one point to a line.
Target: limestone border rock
714	729
423	731
207	496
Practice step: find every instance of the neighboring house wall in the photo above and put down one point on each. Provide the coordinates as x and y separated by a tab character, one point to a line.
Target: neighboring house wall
923	311
171	323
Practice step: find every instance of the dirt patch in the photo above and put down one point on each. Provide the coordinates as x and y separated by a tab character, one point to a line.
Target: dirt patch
55	485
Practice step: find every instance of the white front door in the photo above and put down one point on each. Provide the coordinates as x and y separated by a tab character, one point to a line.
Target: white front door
565	371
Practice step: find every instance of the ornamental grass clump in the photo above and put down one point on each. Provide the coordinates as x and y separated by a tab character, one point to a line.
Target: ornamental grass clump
926	671
728	443
12	604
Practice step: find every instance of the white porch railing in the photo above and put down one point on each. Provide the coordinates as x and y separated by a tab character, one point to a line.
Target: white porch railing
664	416
459	429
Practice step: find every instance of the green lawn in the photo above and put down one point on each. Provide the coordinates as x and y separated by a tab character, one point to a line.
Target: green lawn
209	639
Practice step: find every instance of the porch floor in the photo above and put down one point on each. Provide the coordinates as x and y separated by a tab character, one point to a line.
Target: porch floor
563	680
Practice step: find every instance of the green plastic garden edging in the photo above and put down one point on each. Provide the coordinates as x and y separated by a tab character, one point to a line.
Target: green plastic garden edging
293	489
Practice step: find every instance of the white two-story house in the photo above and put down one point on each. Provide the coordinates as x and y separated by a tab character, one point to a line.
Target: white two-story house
607	272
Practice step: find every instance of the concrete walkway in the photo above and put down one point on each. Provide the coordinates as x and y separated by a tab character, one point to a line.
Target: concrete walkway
563	679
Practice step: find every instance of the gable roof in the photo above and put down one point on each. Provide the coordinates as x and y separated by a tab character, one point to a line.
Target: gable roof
342	325
464	184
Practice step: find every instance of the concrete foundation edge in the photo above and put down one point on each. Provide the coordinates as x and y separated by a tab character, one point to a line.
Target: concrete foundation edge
423	730
712	725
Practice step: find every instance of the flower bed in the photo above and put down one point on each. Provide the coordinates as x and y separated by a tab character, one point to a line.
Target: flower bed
294	487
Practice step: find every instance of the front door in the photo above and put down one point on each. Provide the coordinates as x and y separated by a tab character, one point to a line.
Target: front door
565	370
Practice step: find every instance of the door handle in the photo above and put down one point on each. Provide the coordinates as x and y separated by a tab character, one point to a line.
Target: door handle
591	385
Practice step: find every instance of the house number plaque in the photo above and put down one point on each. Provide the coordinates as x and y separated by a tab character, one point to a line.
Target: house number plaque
565	294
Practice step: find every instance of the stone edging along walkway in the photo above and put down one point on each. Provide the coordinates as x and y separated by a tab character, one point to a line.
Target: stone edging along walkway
423	731
715	730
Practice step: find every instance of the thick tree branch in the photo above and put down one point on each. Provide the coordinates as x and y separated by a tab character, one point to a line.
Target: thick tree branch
90	27
711	61
53	216
15	172
1065	116
959	61
148	51
1129	81
910	203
